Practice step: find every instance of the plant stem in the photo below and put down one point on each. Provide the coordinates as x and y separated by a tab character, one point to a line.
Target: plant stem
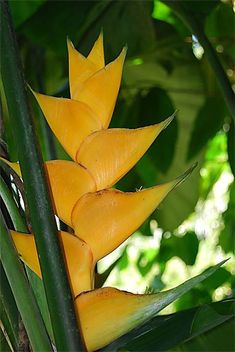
196	27
24	297
60	301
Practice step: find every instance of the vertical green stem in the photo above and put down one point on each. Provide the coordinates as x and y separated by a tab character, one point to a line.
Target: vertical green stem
60	301
196	28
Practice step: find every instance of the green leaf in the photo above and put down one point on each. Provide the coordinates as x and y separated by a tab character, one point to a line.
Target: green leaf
218	339
165	298
220	22
185	247
39	292
23	10
226	239
222	275
209	120
231	147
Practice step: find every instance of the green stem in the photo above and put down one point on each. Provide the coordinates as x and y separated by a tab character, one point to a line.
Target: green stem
11	206
196	28
60	301
24	297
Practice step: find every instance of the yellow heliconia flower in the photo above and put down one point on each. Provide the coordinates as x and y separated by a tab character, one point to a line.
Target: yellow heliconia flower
101	218
78	258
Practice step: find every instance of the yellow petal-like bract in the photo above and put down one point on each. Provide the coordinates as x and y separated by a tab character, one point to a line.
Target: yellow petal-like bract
107	313
70	120
115	216
68	182
101	89
81	68
78	258
110	154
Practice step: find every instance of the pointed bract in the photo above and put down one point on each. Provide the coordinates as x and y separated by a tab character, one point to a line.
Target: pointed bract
107	218
70	120
78	258
96	54
110	154
80	69
68	182
100	90
107	313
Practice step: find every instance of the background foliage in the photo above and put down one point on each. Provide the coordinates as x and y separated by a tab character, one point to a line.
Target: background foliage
166	71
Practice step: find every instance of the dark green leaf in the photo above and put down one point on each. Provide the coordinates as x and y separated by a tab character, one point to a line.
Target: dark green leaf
219	339
83	20
22	10
209	120
221	276
220	22
155	107
185	247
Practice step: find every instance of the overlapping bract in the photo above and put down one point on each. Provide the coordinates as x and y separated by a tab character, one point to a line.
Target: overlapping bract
101	217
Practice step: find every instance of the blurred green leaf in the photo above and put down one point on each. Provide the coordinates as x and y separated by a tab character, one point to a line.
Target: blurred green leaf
154	335
185	247
196	297
220	22
227	239
154	107
123	261
231	147
146	260
221	276
199	8
163	12
83	20
216	340
209	120
23	10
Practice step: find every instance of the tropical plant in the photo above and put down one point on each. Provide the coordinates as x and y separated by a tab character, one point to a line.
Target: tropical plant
92	218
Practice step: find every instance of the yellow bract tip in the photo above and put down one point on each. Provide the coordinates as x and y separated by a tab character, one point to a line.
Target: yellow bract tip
101	89
96	54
